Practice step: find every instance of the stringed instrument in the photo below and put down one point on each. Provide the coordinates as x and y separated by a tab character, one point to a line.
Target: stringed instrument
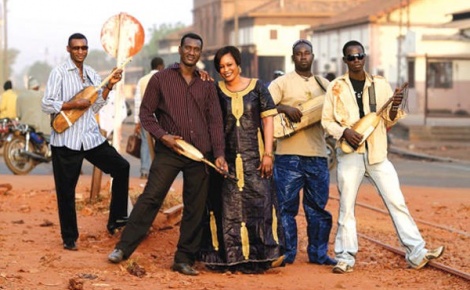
367	124
194	154
311	114
66	118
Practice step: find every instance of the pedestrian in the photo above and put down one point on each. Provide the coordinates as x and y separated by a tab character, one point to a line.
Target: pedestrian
301	160
177	104
82	140
156	65
8	101
248	233
349	98
28	106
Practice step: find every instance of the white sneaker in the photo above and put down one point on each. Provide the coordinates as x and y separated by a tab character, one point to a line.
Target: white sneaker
431	255
342	267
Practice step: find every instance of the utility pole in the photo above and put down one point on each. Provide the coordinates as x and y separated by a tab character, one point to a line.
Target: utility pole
2	37
235	22
5	41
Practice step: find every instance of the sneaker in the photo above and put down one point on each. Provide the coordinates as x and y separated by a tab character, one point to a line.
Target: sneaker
144	176
435	253
431	255
342	267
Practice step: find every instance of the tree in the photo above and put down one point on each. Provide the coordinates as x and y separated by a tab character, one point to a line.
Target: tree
100	60
40	70
151	48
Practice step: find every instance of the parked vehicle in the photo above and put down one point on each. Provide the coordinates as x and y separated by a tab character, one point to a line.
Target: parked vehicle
25	148
6	127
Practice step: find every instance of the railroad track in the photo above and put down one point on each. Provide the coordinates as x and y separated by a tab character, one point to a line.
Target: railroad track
434	264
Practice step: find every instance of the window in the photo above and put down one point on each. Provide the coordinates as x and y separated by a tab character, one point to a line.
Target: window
411	73
273	34
439	74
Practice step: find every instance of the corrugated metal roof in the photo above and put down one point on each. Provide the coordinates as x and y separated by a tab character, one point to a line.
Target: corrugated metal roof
302	7
365	12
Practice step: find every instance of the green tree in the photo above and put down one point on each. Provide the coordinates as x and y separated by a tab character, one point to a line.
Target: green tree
154	35
100	60
40	70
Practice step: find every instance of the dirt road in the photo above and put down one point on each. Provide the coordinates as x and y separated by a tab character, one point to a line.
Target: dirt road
32	257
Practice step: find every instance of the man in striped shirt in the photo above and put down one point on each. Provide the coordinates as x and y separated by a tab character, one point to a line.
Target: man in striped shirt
177	104
82	140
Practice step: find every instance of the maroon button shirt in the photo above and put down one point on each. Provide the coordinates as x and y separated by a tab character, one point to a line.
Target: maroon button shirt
190	111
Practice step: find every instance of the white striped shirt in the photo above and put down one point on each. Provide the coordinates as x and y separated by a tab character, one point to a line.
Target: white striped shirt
63	84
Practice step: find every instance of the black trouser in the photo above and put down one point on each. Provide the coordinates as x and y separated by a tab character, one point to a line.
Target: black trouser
67	163
165	167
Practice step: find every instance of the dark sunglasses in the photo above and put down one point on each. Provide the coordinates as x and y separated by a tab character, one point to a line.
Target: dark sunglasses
77	48
353	57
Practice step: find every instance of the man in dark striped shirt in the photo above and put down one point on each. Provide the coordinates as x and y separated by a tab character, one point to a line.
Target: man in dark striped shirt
177	104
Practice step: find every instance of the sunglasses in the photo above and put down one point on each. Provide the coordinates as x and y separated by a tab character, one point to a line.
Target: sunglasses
77	48
353	57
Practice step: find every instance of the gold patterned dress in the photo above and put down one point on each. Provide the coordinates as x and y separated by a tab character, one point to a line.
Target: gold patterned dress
242	229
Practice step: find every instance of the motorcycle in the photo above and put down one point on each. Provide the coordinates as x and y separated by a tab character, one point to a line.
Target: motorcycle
330	149
25	148
7	125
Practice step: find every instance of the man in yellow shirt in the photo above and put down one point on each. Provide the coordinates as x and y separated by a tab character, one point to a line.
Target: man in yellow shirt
8	101
301	160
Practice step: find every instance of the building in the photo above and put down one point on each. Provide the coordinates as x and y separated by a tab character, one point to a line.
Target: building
263	30
424	42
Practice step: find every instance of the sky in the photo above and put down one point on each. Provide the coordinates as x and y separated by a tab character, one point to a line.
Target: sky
39	29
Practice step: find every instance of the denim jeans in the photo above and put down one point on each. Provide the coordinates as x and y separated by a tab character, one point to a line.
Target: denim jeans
291	174
144	153
351	170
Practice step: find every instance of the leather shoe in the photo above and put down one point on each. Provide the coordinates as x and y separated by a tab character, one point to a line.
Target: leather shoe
71	246
184	269
116	256
114	226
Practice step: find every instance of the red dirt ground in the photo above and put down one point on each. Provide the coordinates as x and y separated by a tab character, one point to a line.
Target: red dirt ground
31	254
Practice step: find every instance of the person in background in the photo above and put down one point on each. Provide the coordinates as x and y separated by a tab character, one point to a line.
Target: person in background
249	234
330	76
301	160
156	64
347	101
28	106
8	101
82	140
177	104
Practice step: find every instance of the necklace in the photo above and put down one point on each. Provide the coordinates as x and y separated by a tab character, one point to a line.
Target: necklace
304	77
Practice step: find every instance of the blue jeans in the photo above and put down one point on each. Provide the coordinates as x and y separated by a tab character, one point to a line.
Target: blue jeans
291	174
144	153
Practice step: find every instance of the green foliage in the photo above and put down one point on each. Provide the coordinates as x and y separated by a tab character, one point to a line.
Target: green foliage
153	36
100	60
40	70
